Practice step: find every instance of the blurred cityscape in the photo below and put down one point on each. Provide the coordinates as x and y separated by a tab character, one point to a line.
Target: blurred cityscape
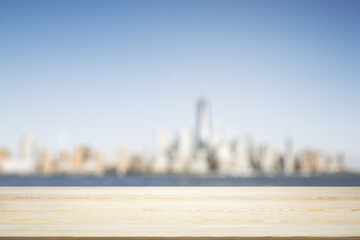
192	152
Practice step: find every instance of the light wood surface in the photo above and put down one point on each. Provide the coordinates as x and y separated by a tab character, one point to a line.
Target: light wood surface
179	212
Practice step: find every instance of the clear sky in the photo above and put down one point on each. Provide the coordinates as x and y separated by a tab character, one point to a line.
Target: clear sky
112	72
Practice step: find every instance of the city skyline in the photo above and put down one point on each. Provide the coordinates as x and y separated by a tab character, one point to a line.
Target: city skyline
111	73
200	150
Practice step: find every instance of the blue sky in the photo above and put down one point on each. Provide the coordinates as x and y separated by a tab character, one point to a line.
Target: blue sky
112	72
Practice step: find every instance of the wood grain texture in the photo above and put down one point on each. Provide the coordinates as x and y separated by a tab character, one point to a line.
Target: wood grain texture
167	212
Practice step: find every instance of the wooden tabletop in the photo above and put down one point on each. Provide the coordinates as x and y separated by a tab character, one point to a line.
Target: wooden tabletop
167	212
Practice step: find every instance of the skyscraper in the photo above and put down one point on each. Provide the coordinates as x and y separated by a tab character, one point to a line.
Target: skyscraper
29	153
203	137
203	125
269	159
162	160
184	151
242	159
289	160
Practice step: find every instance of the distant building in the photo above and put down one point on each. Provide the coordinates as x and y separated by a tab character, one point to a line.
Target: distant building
242	160
309	162
64	164
80	157
29	153
200	164
270	160
136	165
47	164
162	160
95	164
185	150
28	160
203	125
224	156
4	155
123	161
289	158
341	164
203	138
334	164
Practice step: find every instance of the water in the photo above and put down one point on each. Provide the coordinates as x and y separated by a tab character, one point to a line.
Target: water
145	180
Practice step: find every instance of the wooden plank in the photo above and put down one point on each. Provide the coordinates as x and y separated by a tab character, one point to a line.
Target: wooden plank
168	212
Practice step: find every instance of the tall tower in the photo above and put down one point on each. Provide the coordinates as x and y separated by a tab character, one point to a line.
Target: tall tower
203	135
29	153
203	125
289	160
